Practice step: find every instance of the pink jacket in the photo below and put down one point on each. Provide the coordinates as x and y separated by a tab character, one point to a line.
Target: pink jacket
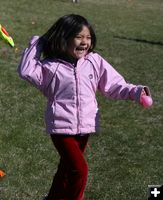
71	90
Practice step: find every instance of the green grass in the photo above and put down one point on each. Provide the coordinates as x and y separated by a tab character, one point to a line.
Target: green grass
127	156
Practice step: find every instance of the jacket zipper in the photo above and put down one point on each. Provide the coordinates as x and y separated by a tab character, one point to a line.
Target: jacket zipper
77	98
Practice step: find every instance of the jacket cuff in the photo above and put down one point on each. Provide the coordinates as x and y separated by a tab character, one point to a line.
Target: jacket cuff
33	40
35	46
136	94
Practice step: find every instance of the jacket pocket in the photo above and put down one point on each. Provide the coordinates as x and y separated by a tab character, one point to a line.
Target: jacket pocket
64	115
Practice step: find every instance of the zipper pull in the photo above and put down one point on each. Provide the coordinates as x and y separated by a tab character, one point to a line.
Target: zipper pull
75	71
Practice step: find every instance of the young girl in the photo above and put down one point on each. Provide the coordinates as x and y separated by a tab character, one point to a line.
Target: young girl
62	64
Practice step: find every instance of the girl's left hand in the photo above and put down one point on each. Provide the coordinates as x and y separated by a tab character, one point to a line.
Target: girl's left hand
145	99
143	93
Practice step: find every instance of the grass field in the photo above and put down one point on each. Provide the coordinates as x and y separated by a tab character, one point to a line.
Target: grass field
128	154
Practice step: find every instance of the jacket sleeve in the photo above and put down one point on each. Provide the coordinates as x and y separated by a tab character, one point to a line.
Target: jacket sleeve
113	85
31	68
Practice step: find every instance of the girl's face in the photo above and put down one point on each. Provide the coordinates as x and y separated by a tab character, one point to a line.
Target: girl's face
80	44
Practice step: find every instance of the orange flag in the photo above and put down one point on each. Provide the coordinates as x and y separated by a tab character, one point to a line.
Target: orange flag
2	174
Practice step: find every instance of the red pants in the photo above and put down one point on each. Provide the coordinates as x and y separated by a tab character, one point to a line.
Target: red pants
70	179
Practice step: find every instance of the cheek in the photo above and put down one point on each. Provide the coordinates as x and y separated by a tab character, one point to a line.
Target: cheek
76	43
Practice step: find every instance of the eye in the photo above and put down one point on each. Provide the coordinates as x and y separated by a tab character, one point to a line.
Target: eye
78	37
89	37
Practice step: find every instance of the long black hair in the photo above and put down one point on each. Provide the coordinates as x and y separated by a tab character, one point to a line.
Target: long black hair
55	40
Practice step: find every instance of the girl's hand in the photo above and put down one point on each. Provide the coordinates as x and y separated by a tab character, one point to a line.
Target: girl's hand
143	93
145	99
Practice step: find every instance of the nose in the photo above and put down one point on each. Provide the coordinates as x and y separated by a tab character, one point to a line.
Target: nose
84	40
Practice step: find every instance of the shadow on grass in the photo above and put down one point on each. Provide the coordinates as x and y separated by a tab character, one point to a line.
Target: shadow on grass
139	40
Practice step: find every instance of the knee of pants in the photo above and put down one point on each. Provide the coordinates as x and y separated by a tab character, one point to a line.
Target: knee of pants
81	171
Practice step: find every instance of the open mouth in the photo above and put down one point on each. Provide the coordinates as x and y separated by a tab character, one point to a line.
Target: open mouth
81	49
